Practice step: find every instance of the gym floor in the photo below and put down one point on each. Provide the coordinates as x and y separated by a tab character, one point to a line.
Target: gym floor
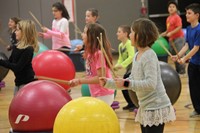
183	124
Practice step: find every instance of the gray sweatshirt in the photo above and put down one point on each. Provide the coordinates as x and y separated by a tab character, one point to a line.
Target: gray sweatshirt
145	80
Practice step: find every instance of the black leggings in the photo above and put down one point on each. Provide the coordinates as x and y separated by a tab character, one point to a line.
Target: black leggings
152	129
126	94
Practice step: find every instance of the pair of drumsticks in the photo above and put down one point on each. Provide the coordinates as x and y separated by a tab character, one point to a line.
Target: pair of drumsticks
103	54
166	50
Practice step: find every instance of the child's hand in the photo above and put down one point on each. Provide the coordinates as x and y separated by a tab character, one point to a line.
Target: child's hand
163	34
78	48
169	34
74	82
174	58
102	81
40	34
9	48
44	29
119	82
116	68
181	60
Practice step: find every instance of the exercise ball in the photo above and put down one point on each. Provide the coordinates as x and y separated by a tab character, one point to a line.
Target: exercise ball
35	106
86	115
158	48
185	32
54	64
171	81
85	91
42	48
3	70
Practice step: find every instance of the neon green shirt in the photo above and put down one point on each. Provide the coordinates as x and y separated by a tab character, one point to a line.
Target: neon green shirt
126	54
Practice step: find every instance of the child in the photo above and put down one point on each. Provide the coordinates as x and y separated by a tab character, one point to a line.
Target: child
126	53
94	62
60	27
192	43
174	33
91	16
155	108
12	24
21	57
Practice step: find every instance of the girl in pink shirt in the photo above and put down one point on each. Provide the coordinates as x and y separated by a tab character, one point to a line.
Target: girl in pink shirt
94	62
60	27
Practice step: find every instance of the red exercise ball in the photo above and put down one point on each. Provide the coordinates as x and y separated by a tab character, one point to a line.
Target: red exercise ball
54	64
35	106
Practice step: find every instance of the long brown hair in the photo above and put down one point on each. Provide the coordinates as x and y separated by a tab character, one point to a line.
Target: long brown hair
93	31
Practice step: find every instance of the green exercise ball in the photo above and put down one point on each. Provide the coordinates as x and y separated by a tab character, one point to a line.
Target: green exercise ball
85	91
158	46
42	48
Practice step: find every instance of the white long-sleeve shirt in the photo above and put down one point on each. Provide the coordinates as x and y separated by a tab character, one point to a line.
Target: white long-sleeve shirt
59	33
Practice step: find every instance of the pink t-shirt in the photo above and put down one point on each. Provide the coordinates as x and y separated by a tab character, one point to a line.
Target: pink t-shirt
59	33
172	22
92	65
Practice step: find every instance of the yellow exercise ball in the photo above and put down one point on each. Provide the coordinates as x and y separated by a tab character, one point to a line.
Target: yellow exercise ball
86	115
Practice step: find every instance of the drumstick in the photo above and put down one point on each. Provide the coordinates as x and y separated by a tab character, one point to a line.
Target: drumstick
166	50
176	51
53	79
36	20
77	29
3	42
107	59
102	56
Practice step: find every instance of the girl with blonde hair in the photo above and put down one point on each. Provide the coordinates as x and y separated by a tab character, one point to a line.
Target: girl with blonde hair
21	57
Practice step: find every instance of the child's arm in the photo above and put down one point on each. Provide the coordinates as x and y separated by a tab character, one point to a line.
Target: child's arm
91	80
181	52
61	33
25	58
174	31
119	61
44	35
164	33
147	84
131	53
189	55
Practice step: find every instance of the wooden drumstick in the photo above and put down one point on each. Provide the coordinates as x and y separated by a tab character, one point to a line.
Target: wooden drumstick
166	50
77	29
36	20
102	56
174	47
3	42
107	59
53	79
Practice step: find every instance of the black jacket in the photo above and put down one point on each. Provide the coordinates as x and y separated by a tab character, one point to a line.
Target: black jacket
20	62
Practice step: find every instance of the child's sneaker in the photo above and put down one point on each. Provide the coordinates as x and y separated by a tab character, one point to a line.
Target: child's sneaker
194	114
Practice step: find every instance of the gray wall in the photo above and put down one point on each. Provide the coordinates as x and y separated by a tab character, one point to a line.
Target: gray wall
112	14
20	8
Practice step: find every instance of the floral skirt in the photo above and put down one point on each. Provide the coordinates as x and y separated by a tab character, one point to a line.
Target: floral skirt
155	117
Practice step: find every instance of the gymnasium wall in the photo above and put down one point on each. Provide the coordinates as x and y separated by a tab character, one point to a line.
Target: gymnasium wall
20	8
112	14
